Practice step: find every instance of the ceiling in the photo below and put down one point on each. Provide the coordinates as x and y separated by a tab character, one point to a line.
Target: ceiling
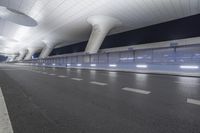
66	20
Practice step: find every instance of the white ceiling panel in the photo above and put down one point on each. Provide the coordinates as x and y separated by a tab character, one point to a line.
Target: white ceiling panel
66	20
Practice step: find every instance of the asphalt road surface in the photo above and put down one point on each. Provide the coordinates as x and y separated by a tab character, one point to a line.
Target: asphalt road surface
60	100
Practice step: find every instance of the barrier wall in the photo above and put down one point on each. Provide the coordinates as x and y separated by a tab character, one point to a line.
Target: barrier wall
181	60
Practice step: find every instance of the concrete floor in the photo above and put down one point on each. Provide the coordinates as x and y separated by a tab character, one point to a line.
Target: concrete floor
56	100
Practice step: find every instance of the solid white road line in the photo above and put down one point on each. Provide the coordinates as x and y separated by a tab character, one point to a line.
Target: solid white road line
5	124
136	90
77	79
98	83
193	101
62	76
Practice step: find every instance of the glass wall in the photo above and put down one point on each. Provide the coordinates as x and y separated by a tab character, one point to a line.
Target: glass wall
171	55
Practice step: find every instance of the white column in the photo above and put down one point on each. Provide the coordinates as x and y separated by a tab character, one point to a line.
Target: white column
101	26
46	51
49	46
14	57
22	54
31	52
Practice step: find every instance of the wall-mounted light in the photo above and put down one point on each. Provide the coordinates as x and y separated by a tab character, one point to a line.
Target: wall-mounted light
141	66
140	57
68	64
79	65
43	64
189	67
130	58
112	65
53	64
93	65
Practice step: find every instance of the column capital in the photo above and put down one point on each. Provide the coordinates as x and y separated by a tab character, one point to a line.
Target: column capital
101	25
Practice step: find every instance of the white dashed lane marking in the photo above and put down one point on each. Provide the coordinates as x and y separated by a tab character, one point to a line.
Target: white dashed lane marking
5	124
136	90
62	76
193	101
44	73
52	74
98	83
37	71
77	79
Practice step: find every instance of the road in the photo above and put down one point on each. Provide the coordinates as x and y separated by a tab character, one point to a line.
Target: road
60	100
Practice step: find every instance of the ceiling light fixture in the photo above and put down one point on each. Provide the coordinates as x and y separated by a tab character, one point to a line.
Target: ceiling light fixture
16	17
3	38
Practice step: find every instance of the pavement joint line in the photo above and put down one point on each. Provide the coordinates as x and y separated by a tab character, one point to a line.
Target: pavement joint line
136	90
5	124
189	83
77	79
98	83
193	101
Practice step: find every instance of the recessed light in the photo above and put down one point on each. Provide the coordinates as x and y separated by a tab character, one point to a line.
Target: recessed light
141	66
189	67
112	65
93	65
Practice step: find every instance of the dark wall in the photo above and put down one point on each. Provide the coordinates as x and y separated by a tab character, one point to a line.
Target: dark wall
36	55
70	49
177	29
3	58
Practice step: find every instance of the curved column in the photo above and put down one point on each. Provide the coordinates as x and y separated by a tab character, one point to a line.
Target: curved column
101	26
22	54
14	57
31	52
46	51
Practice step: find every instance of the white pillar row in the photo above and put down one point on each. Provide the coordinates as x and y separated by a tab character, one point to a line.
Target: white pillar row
101	26
22	54
47	50
31	52
15	57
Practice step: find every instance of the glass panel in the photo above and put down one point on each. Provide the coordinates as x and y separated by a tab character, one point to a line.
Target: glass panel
114	58
164	55
143	56
103	58
126	56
